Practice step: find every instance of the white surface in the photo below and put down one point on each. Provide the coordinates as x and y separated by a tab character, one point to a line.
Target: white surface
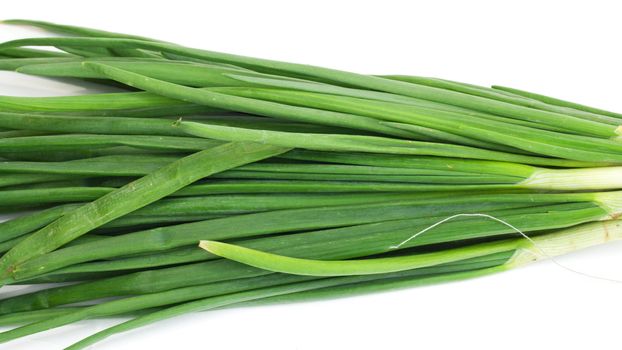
557	47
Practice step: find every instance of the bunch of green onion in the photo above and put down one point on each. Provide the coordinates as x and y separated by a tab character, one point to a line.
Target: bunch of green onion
212	180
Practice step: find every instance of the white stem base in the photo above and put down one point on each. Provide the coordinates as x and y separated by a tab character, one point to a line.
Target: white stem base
566	241
606	178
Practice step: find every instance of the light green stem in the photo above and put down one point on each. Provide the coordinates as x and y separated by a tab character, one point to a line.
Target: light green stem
527	249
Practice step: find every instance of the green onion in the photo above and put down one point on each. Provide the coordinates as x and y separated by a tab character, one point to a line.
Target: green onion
299	182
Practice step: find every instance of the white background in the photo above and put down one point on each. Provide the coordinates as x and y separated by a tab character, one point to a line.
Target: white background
562	48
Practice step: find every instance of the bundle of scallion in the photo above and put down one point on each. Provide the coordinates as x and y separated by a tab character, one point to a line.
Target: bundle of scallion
299	182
